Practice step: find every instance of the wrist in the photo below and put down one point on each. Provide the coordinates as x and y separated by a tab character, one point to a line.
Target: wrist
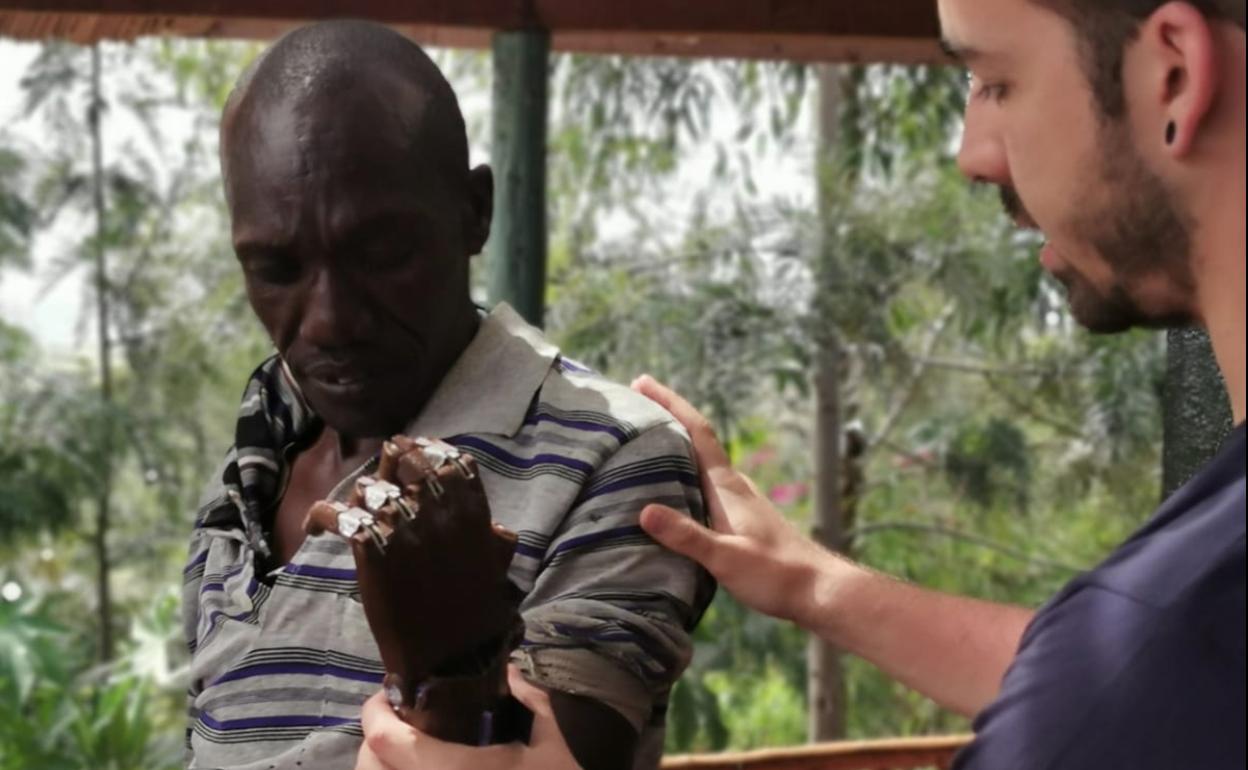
821	587
474	709
465	699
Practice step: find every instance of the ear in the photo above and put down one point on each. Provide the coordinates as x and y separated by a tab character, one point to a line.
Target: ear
480	208
1183	73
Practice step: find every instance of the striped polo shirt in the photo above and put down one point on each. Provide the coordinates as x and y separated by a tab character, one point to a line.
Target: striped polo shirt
282	660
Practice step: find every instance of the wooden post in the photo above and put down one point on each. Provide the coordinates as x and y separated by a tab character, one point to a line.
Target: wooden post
1196	414
825	682
517	252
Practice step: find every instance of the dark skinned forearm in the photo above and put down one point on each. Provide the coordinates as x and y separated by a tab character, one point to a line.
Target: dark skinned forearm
599	737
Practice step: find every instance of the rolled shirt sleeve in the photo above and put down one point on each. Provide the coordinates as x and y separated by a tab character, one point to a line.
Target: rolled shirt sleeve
611	611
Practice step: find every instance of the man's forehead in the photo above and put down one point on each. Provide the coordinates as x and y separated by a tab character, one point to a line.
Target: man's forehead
340	136
347	166
372	104
349	221
978	29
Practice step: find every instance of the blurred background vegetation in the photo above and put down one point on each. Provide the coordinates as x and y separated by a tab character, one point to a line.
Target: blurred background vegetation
708	224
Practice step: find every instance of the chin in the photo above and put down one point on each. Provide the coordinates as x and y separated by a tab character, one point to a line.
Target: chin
364	428
357	422
1098	322
1117	312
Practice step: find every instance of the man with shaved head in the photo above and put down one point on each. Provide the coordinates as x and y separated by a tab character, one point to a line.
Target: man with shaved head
354	215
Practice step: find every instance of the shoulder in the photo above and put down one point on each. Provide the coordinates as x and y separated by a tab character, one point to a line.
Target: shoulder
1104	680
573	394
1184	552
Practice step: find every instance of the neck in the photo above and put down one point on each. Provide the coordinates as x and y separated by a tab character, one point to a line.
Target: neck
353	450
458	335
1221	297
464	333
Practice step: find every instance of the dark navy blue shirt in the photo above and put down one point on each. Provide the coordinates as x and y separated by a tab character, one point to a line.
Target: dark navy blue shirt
1138	664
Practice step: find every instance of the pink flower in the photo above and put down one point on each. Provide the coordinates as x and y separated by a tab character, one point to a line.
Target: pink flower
788	493
761	458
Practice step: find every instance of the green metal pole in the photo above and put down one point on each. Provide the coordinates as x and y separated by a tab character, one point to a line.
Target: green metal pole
1196	414
517	253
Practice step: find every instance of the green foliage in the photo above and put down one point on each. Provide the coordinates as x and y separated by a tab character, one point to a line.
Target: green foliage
989	461
899	118
57	714
17	217
35	487
743	689
172	286
48	421
183	341
760	710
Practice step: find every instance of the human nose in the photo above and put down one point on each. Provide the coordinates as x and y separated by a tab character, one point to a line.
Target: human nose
981	156
335	313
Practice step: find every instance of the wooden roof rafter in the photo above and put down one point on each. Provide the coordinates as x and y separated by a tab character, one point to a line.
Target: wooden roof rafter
806	30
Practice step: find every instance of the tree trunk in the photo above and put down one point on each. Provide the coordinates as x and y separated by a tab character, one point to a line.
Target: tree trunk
825	677
104	598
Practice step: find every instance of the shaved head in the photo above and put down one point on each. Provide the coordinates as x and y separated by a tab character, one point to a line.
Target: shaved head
313	64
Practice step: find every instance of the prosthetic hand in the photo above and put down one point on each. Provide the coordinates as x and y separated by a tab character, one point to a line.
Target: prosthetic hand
432	572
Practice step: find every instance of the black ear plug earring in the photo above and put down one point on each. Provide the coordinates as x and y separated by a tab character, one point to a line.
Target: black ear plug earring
1170	131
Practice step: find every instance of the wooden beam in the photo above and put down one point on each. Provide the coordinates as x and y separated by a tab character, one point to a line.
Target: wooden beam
85	28
890	18
807	48
887	754
807	30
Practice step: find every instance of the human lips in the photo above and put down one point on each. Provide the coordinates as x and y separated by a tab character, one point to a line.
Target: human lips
1049	258
1015	209
343	378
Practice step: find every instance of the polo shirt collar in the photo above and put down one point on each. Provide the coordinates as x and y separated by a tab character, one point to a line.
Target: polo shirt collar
491	385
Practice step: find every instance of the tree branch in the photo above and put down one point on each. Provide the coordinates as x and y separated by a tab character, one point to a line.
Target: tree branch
901	451
1023	406
977	367
917	367
967	537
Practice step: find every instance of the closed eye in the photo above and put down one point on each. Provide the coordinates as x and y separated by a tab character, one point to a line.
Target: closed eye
275	267
995	92
387	256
